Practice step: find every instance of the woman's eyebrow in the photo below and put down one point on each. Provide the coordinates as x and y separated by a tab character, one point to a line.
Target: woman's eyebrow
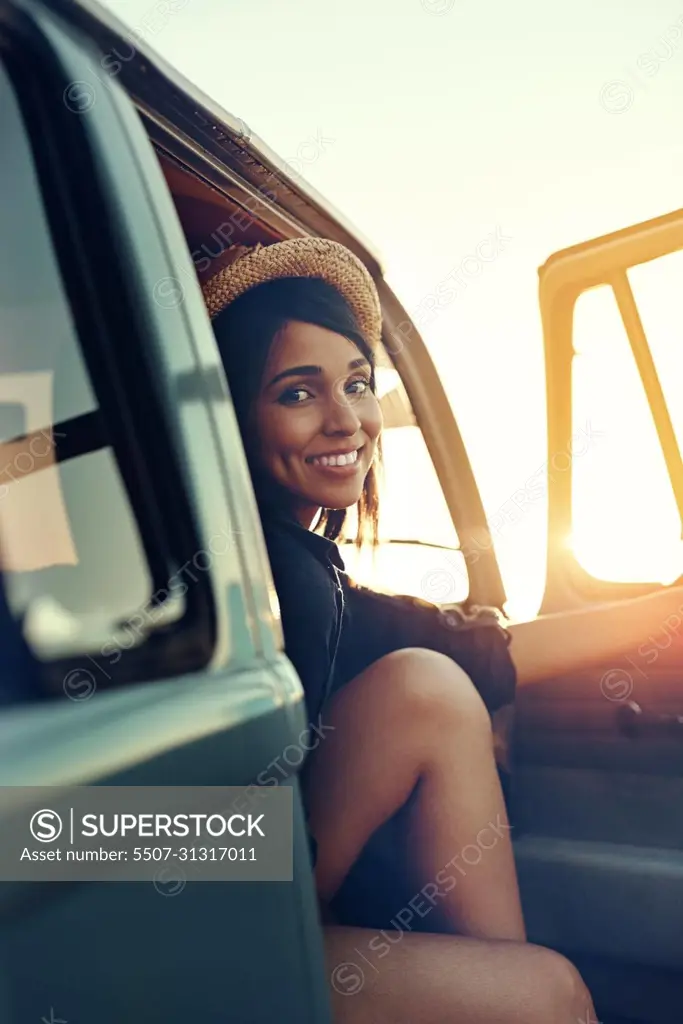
311	371
296	371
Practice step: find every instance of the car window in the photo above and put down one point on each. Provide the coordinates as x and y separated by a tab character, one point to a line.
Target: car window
69	544
626	526
419	547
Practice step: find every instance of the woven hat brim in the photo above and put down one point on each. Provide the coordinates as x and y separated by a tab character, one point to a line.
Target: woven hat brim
301	257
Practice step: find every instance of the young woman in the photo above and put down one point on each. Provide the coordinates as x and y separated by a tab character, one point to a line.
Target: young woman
405	692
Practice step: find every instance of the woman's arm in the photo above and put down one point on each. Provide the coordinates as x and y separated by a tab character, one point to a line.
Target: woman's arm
569	641
377	624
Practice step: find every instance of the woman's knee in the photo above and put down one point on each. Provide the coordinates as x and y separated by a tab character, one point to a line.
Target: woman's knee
558	992
443	978
430	688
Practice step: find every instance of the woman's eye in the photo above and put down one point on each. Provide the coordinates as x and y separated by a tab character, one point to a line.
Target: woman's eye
294	396
358	387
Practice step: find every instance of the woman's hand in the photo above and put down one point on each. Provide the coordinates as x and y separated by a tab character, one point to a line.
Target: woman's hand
554	645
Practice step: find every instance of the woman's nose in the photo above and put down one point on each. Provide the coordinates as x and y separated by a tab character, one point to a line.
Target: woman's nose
341	415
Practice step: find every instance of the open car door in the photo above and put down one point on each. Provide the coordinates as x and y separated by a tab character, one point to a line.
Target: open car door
134	566
598	778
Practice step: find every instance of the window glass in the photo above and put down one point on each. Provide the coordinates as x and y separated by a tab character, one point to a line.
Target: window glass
418	553
625	522
70	546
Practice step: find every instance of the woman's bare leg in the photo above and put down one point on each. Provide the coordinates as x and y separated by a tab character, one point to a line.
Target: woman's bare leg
444	979
413	719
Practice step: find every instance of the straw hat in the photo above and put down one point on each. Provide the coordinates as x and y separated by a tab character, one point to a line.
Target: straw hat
298	257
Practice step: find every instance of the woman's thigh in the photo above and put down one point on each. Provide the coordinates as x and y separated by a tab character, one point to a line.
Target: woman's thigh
394	712
379	977
389	715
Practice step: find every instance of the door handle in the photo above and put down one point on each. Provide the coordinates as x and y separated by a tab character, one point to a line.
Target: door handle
634	721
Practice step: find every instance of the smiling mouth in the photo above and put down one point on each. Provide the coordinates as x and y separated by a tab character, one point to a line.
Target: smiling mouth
348	459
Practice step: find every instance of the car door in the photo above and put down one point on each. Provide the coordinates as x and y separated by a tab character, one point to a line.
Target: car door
598	769
134	565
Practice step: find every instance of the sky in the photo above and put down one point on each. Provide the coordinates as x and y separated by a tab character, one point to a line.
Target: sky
450	125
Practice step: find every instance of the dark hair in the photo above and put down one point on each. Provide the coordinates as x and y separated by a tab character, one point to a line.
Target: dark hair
245	331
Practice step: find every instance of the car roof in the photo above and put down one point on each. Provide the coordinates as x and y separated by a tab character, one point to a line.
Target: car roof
163	94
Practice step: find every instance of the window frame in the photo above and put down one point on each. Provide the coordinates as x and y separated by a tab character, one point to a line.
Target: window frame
78	215
563	278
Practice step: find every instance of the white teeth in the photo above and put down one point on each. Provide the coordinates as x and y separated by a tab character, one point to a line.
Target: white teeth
336	460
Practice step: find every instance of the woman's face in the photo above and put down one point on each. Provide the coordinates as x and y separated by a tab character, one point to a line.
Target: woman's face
317	418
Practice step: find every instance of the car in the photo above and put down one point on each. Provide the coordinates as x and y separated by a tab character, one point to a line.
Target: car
142	643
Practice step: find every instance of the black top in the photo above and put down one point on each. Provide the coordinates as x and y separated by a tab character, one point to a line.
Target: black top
333	628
